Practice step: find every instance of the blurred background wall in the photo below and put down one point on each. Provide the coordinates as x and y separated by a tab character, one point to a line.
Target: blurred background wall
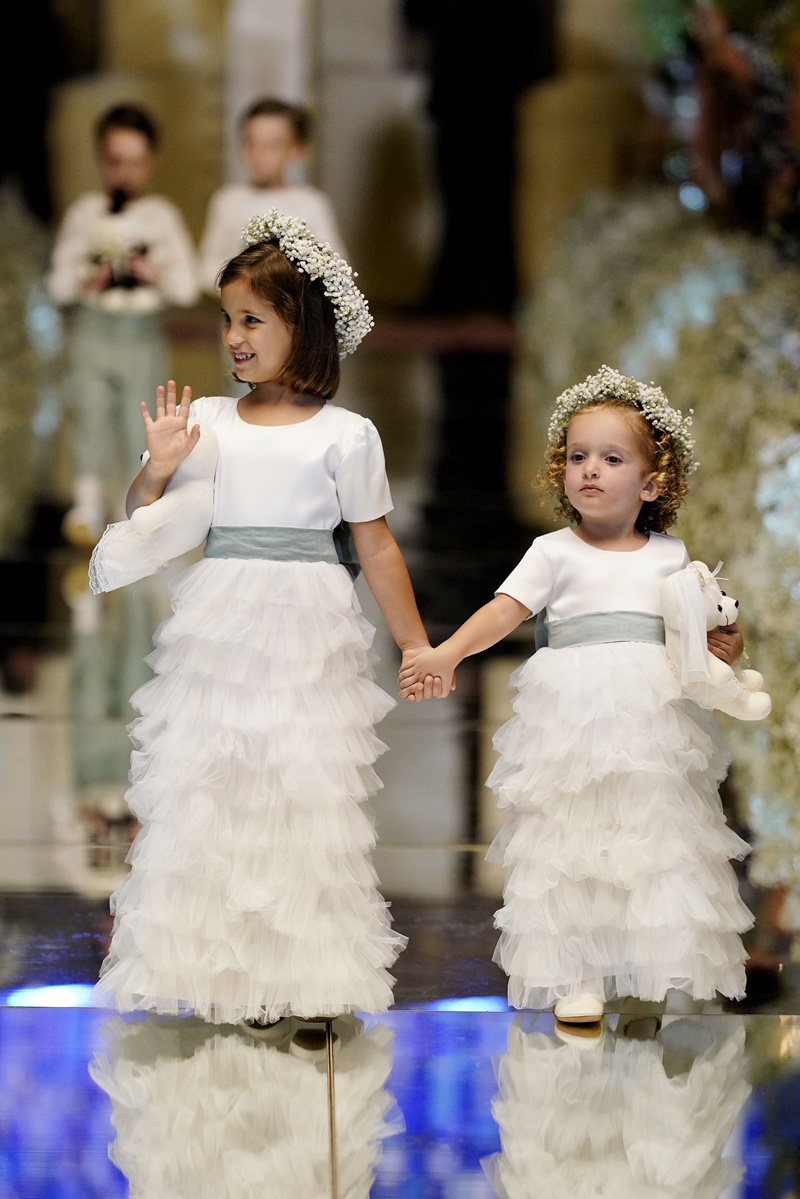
526	113
366	69
197	63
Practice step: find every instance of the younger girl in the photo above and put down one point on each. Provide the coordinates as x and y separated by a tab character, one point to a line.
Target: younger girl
616	853
251	893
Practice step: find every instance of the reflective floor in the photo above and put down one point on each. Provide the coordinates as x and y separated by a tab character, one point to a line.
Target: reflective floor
450	1093
425	1102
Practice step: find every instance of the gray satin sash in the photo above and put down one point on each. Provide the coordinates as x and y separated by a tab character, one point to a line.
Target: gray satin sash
599	628
284	545
276	544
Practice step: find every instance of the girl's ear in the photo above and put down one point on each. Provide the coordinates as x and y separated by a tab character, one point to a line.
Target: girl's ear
650	489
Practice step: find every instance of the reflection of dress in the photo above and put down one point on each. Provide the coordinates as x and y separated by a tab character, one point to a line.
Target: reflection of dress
623	1118
616	852
201	1112
251	888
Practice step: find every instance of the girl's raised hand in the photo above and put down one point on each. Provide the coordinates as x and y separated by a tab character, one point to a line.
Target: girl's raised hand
168	440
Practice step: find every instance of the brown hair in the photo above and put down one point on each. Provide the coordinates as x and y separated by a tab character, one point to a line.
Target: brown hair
127	116
297	115
300	301
657	515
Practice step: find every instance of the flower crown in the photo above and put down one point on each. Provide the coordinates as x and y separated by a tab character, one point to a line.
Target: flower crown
318	261
649	399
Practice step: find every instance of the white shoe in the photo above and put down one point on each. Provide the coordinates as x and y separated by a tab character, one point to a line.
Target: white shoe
82	529
83	525
579	1009
582	1036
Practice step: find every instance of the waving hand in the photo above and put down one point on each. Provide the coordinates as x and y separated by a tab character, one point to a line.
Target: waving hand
168	440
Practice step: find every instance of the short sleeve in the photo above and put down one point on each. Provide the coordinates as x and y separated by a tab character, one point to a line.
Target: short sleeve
531	581
361	482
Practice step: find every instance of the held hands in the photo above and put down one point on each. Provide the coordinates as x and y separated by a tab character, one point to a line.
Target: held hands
168	441
425	674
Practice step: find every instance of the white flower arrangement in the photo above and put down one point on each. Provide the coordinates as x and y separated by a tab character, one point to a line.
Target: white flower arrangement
318	261
649	399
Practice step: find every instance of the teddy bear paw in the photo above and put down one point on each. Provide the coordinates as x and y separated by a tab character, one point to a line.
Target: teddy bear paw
751	679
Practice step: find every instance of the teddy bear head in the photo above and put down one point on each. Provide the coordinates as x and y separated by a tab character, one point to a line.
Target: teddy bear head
720	608
693	603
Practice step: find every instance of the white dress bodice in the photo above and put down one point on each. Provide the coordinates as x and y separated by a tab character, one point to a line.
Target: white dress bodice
567	577
309	475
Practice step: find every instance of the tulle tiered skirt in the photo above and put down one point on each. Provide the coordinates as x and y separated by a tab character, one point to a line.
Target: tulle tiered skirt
251	891
217	1113
620	1118
617	856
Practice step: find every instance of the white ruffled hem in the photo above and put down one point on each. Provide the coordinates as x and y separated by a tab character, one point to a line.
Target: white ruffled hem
201	1113
616	852
613	1122
251	890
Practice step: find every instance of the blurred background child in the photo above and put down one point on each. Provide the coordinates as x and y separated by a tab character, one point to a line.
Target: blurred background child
274	141
121	257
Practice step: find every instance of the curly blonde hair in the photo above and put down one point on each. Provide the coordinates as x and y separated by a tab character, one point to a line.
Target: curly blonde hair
656	515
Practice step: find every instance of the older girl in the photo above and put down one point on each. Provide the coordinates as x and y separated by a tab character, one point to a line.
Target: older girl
251	894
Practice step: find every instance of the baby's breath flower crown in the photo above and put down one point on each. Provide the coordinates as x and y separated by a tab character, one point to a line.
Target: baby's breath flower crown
317	260
649	399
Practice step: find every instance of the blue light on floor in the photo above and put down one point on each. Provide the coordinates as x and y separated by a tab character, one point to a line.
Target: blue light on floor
443	1082
68	995
471	1003
55	1122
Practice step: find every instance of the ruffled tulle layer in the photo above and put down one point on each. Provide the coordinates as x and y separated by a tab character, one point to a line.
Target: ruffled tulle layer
251	890
623	1118
202	1113
616	851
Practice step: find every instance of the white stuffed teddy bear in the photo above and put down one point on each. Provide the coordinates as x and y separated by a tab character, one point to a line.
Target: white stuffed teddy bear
692	603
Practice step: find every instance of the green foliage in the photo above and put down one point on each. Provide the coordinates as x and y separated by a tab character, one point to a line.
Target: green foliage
664	24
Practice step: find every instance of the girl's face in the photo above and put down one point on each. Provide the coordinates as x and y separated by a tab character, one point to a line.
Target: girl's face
256	338
607	476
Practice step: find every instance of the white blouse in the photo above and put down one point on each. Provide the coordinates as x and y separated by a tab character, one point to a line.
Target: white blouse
568	577
233	206
88	229
309	475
